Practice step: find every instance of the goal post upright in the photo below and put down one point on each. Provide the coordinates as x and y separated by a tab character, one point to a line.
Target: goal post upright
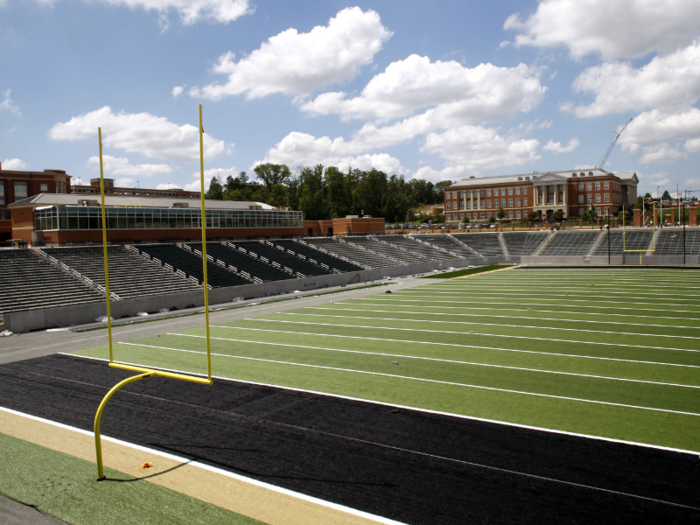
144	372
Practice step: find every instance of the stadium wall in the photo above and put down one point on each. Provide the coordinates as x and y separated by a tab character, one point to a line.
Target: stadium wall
26	321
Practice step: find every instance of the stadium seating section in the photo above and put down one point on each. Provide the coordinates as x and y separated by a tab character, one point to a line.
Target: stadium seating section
426	249
524	243
670	242
191	265
300	249
130	275
243	263
486	244
29	281
566	243
630	241
449	243
279	258
353	253
382	247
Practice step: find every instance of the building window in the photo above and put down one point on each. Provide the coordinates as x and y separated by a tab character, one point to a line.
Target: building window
597	186
589	198
606	197
589	187
488	204
2	192
517	202
448	207
482	194
597	197
490	215
517	190
517	215
580	199
561	188
510	191
606	185
449	217
524	202
461	216
503	203
461	195
503	192
483	216
510	214
20	190
510	203
44	187
581	211
607	211
488	193
524	191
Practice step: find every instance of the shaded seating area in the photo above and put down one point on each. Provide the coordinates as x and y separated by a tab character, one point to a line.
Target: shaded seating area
383	248
524	243
29	281
446	242
355	254
280	259
486	244
670	241
571	243
302	250
188	265
629	240
130	275
242	263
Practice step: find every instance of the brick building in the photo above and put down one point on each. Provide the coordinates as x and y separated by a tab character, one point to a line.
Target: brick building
18	185
572	192
110	189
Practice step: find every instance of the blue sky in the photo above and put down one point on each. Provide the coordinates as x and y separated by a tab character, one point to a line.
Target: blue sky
438	90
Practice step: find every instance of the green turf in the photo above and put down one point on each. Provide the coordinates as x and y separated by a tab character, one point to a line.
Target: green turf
559	349
467	271
64	487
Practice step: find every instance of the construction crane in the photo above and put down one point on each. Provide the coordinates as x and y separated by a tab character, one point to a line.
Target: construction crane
617	136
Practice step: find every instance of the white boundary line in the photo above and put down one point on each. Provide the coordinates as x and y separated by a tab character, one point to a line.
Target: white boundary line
488	324
454	361
423	410
424	380
217	470
457	345
479	334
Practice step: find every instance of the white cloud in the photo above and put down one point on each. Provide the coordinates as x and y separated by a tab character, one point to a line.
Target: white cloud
167	186
662	153
220	173
296	63
9	105
177	91
693	145
192	11
659	126
585	166
470	95
14	164
504	43
475	148
556	147
651	181
612	29
125	182
121	166
140	133
619	87
453	173
692	183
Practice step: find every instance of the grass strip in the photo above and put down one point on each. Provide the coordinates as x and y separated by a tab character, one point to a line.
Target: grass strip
64	487
468	271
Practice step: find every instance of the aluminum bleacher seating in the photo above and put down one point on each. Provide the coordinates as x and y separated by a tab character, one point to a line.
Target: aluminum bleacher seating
571	243
446	242
29	281
280	259
242	262
383	248
427	251
354	253
302	250
486	244
187	264
524	243
670	241
629	240
130	275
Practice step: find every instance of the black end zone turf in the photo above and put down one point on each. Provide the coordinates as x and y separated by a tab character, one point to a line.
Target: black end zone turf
402	464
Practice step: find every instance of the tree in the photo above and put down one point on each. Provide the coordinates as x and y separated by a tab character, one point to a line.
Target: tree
410	216
272	174
440	190
311	194
466	219
501	213
492	218
216	191
666	196
438	218
558	215
532	216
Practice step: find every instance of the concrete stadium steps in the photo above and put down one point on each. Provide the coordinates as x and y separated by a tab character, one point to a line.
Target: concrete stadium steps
280	259
243	263
523	243
382	247
130	275
447	242
29	282
304	250
630	240
430	250
487	244
355	254
569	243
191	266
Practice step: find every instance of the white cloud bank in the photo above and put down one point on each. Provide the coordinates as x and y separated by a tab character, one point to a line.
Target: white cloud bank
14	164
140	133
296	63
556	147
612	29
122	166
9	105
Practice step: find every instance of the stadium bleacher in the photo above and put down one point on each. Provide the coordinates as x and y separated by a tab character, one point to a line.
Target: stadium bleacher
447	242
130	275
566	243
189	265
632	240
355	254
423	247
523	243
29	282
279	258
486	244
243	263
301	249
387	250
670	242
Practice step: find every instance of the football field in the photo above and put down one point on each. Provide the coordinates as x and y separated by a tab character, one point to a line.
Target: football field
609	353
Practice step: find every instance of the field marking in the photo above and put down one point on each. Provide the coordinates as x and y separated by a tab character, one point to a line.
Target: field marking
406	407
495	324
185	462
352	302
424	380
468	363
457	345
589	304
479	334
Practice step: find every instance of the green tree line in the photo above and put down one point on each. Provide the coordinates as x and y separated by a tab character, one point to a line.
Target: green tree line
328	193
